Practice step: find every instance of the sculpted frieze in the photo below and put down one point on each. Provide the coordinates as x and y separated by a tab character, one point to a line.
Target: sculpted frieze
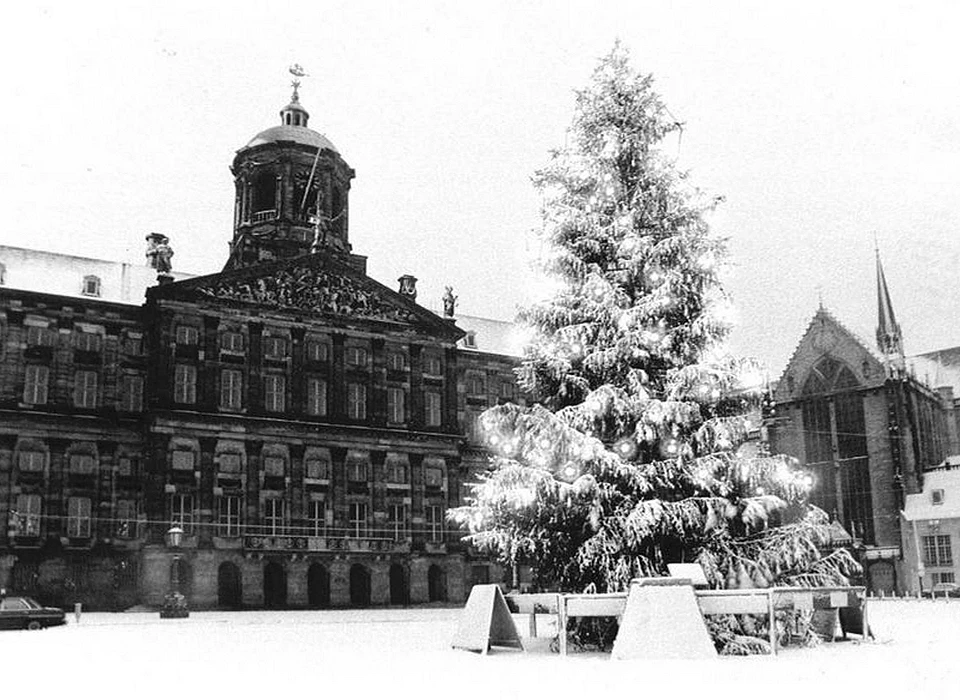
310	289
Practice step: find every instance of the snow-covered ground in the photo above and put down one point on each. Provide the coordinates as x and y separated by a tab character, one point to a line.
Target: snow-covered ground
393	653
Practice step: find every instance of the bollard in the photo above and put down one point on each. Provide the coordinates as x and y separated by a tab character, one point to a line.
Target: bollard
76	611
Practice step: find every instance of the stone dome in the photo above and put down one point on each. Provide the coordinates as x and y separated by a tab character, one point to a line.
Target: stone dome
295	134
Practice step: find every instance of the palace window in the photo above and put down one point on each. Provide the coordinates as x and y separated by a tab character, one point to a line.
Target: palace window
229	515
264	192
316	396
396	361
35	384
473	425
397	469
82	464
182	460
126	521
231	389
317	518
40	335
26	520
396	405
274	466
432	475
476	384
432	408
132	344
356	356
185	384
131	393
181	511
432	365
273	514
937	550
357	468
230	463
90	342
85	389
90	286
434	522
356	401
31	460
78	517
358	519
318	468
127	466
318	351
943	577
397	522
231	342
275	390
187	335
274	347
508	391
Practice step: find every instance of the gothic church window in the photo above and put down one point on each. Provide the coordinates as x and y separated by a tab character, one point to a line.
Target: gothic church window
835	445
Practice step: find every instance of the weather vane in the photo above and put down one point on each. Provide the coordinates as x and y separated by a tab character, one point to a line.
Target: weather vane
297	71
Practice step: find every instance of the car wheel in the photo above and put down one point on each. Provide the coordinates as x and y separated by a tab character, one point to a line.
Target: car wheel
34	625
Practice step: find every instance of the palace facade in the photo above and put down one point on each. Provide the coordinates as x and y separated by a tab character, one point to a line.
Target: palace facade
307	426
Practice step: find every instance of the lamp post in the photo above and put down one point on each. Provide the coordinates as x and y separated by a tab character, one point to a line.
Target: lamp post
175	603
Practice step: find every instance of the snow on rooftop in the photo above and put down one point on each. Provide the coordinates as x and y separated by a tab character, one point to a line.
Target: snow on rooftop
940	498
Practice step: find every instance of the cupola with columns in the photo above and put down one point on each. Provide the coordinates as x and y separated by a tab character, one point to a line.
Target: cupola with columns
292	192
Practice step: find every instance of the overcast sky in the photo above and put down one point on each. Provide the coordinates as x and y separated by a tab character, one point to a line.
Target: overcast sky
823	126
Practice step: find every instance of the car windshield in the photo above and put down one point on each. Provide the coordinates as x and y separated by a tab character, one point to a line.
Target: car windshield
31	603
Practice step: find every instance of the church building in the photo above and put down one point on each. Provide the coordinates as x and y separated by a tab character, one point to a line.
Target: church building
866	423
305	425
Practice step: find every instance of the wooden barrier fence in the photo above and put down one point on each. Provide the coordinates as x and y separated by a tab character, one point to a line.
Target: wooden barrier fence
751	601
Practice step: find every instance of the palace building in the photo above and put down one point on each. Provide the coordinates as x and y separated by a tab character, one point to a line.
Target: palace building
867	423
306	426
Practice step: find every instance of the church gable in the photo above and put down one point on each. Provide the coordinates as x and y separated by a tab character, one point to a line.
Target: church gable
828	344
316	284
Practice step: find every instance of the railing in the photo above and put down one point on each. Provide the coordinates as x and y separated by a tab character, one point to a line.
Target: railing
266	215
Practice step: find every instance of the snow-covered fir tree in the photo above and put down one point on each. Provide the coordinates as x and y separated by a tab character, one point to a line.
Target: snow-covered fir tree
627	458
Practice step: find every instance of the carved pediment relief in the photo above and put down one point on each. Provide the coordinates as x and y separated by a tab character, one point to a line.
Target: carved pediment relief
310	289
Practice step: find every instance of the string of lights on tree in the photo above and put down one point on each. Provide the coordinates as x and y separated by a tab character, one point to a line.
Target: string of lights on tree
628	458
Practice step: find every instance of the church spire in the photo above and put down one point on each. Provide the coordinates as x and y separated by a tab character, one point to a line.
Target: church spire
889	338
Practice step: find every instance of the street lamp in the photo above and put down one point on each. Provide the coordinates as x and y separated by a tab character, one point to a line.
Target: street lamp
174	603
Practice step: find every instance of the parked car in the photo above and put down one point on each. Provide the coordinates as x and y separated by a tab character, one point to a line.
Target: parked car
20	613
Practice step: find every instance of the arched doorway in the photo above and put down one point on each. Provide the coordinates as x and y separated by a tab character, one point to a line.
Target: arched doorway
24	577
274	585
436	584
229	586
359	586
882	578
318	586
399	588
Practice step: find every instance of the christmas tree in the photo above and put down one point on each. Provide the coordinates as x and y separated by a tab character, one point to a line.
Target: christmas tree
628	457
